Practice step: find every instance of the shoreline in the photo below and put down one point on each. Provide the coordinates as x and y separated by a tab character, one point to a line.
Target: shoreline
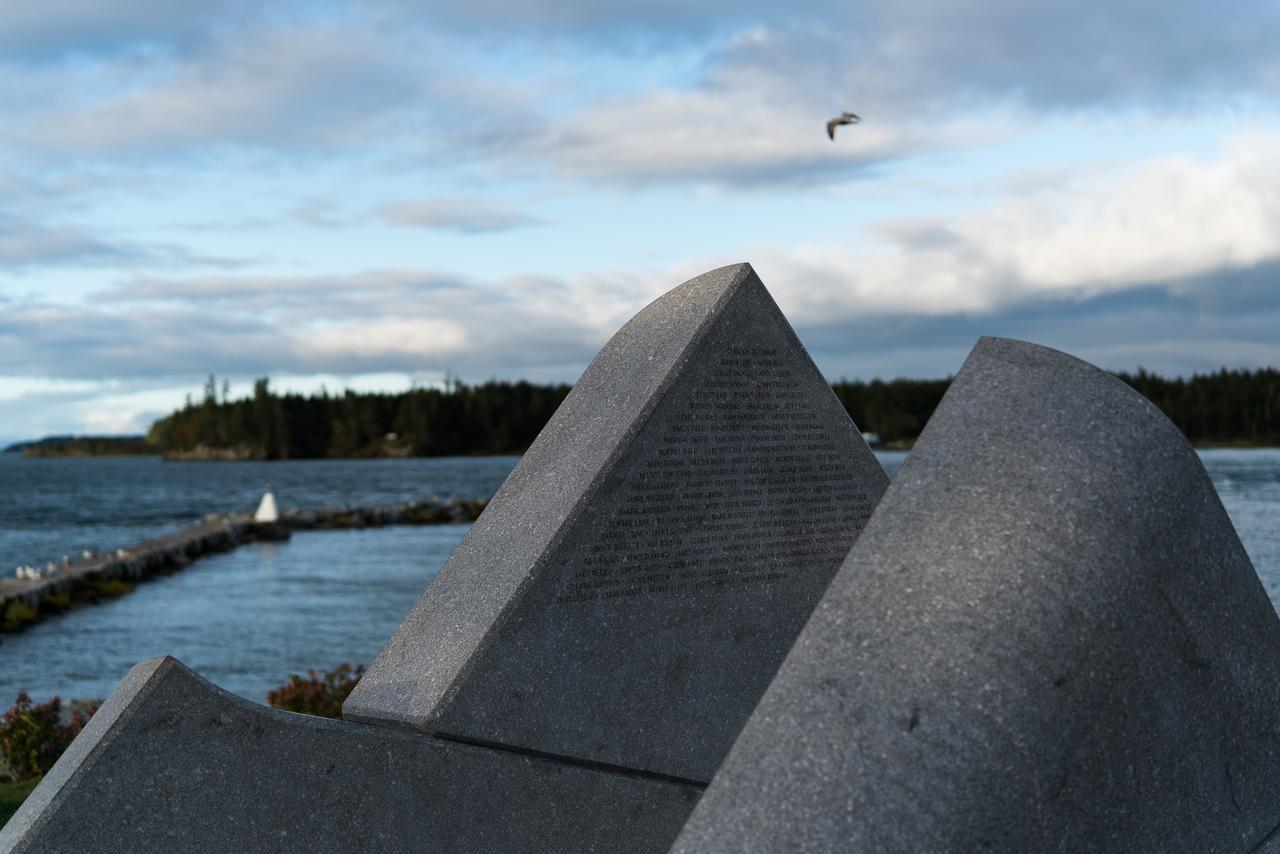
233	456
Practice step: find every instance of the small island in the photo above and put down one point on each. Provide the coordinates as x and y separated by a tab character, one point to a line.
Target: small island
84	446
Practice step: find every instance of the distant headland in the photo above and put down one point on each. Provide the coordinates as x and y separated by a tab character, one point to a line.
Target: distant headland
1238	408
84	446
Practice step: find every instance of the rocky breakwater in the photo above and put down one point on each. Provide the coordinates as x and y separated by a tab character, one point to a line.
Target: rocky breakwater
93	578
30	594
432	511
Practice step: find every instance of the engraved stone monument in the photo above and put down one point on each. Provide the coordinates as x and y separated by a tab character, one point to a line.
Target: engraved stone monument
1048	638
577	670
629	592
171	763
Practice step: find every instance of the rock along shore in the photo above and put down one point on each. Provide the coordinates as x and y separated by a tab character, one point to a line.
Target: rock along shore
94	578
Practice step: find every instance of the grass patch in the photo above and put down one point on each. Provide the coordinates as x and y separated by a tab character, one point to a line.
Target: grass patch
56	602
12	795
109	588
15	615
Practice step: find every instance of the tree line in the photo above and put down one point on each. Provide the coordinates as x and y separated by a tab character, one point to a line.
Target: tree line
83	446
451	420
1227	407
1240	407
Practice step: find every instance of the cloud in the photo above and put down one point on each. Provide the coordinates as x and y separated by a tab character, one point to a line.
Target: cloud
1190	247
1049	55
256	292
729	137
926	77
752	116
1150	326
1168	221
25	245
56	29
422	338
31	408
319	213
1046	54
398	81
549	329
28	246
466	216
303	87
364	115
380	321
651	25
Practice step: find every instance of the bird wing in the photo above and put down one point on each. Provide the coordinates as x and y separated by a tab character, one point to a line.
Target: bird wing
831	128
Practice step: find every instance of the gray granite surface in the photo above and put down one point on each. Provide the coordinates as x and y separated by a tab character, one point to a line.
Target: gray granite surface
629	592
1048	638
172	763
1270	845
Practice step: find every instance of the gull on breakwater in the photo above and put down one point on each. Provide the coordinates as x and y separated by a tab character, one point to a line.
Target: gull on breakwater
34	594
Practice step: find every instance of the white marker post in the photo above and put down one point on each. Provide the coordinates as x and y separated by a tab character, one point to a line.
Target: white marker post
267	511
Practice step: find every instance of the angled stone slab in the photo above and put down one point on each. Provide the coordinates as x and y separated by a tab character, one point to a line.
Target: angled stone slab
172	763
1048	638
629	592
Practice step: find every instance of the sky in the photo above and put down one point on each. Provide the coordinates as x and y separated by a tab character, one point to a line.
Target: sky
370	195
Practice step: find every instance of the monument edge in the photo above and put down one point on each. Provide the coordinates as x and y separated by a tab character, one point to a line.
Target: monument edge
80	756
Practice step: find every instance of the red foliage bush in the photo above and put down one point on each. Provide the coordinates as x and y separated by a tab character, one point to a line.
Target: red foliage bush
33	737
317	695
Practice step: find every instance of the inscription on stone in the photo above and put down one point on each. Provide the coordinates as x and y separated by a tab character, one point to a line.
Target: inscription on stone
747	461
1048	638
651	559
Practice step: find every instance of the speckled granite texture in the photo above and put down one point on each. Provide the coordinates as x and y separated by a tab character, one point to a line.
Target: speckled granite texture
1048	638
172	763
632	588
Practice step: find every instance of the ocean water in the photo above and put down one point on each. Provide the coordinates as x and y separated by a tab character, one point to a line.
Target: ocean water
55	506
248	618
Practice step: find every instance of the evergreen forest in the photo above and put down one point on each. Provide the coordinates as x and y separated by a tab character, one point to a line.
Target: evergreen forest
1239	407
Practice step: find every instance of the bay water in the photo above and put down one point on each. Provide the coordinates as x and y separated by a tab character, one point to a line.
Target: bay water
248	618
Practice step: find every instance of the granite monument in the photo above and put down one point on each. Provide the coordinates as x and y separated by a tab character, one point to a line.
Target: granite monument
575	673
629	592
172	763
1047	638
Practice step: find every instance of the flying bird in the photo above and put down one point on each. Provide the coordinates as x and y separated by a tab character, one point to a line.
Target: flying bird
842	119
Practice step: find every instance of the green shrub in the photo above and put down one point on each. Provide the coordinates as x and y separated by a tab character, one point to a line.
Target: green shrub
33	737
56	602
12	795
16	614
110	588
316	695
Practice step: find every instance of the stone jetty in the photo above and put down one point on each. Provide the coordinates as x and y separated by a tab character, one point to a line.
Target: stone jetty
97	577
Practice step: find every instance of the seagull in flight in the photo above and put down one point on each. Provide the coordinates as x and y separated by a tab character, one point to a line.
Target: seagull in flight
842	119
